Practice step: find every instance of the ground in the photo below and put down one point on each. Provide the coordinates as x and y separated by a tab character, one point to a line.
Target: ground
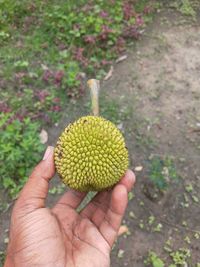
154	98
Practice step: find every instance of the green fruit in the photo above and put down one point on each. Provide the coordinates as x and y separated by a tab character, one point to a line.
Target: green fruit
91	155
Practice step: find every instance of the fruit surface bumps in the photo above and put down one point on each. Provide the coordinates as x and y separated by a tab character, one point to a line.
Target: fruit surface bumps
90	155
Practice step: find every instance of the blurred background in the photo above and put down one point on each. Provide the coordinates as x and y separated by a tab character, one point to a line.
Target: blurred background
146	55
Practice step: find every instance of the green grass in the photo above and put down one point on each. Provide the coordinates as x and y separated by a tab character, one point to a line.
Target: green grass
44	48
180	257
186	7
162	172
20	150
153	260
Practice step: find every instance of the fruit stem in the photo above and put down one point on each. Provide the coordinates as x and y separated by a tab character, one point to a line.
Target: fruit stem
94	86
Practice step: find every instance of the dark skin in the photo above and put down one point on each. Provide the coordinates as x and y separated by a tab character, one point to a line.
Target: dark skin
40	236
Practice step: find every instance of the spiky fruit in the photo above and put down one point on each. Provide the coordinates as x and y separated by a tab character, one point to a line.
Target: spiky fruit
90	154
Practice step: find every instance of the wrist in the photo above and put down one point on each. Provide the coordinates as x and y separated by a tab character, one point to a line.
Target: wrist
8	262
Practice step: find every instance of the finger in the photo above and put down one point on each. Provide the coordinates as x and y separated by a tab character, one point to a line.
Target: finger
100	201
70	199
112	220
128	181
35	191
96	209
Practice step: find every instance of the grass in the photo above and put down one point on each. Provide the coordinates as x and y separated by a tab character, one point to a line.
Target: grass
153	260
162	172
46	48
179	257
20	150
40	71
186	7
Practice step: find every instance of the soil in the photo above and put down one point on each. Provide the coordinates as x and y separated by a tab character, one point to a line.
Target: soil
160	83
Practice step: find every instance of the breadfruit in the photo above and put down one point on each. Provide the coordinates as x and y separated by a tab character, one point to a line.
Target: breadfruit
90	155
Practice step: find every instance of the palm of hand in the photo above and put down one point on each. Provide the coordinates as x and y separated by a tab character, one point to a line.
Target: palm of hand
60	236
83	241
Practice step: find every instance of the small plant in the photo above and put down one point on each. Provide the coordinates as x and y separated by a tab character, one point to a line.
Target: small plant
111	110
4	36
187	9
42	104
162	172
2	257
54	46
180	256
21	64
59	189
20	151
153	260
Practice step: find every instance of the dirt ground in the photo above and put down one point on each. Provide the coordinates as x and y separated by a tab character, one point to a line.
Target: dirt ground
162	77
159	85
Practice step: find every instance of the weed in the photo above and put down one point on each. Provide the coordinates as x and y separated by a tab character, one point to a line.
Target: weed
185	7
189	188
44	49
120	253
130	196
4	206
20	151
197	235
38	104
91	35
132	215
153	260
59	189
158	228
195	199
141	224
180	256
151	220
162	172
185	203
112	110
187	240
2	257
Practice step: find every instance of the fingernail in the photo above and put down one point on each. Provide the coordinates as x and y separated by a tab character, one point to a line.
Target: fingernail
48	152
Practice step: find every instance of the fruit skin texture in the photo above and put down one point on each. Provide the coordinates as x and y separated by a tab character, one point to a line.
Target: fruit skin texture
90	155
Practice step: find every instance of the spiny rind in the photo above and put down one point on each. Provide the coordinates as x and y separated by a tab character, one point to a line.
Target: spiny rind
90	154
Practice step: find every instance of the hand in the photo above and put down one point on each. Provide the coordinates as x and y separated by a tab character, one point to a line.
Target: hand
61	236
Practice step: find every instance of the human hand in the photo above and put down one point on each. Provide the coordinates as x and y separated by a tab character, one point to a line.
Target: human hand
61	236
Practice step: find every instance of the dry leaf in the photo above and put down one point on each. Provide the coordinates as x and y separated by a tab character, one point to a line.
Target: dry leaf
109	74
82	75
6	240
43	136
120	253
138	168
122	58
122	230
44	67
120	126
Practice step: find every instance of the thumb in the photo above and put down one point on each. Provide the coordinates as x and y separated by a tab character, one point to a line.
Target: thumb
35	191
